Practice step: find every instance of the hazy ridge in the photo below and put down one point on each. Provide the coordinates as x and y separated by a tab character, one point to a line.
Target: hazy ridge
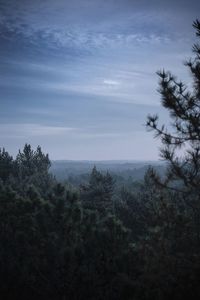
64	169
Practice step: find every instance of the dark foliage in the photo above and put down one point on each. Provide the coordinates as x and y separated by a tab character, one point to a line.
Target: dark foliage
184	109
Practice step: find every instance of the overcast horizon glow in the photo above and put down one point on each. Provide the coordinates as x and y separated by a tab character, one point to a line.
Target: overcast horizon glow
79	77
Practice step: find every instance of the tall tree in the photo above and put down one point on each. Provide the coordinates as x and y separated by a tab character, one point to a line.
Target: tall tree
30	162
6	164
172	248
32	167
98	193
184	109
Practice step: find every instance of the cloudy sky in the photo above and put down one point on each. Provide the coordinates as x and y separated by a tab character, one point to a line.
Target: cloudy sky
79	77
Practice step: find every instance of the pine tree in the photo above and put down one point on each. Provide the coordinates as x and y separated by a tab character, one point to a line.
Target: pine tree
98	193
6	165
174	241
184	109
30	162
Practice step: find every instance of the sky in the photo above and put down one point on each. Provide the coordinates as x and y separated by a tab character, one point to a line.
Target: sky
79	77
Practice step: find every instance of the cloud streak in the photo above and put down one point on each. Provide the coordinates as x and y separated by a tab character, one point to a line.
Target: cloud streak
25	130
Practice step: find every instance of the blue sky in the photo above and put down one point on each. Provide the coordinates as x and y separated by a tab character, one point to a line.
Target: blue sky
79	77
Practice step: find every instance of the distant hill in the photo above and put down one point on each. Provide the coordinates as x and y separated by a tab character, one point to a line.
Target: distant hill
78	170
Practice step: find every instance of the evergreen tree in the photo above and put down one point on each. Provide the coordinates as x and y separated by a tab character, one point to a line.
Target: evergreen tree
171	251
6	165
184	109
30	162
98	193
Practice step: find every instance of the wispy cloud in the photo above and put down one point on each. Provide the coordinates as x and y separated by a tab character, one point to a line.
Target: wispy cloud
111	82
81	39
24	130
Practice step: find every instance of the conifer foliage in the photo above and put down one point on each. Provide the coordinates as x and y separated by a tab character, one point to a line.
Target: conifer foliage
181	145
